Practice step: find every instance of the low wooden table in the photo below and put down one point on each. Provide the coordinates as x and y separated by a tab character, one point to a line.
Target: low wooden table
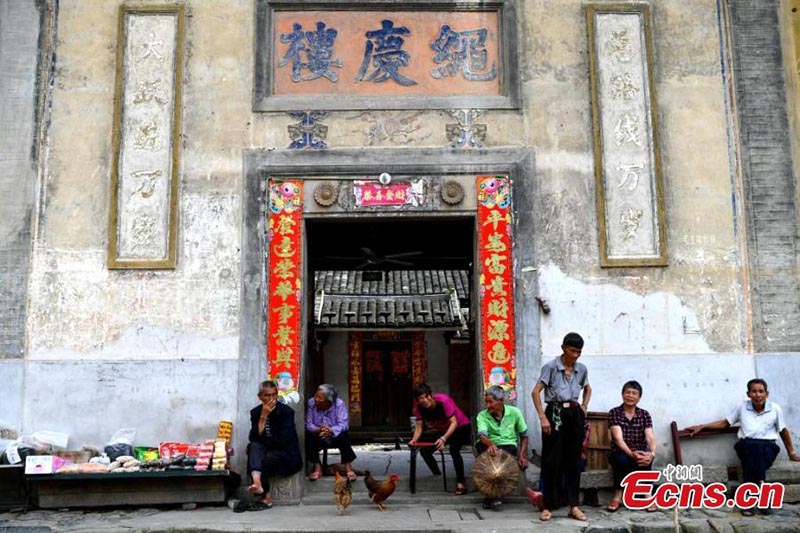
132	488
13	493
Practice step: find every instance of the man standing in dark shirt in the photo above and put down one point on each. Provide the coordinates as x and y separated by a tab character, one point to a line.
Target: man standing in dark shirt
274	448
562	380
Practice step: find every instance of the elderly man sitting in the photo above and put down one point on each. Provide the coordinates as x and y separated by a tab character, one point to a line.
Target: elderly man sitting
499	428
761	423
274	449
327	422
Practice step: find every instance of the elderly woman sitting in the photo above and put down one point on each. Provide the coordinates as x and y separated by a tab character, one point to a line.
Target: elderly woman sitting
633	443
326	427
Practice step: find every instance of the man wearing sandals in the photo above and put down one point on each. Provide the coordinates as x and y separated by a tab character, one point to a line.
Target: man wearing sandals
274	448
327	422
761	423
633	442
499	428
562	381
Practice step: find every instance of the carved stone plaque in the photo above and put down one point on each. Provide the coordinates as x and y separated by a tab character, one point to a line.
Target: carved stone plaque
627	159
143	219
361	54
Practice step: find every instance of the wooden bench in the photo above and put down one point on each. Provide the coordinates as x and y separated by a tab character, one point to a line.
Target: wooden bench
678	434
132	488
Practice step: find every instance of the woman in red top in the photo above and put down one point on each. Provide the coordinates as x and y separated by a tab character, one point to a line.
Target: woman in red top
447	425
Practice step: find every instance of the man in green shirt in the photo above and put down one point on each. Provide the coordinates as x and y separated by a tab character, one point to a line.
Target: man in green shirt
500	427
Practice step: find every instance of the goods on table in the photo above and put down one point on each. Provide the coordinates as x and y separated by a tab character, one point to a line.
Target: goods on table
224	432
144	453
44	464
220	459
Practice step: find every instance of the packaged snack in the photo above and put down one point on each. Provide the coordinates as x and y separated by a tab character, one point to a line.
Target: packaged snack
144	453
225	431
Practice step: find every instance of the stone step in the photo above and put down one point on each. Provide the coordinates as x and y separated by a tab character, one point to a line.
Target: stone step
791	493
472	499
784	472
424	484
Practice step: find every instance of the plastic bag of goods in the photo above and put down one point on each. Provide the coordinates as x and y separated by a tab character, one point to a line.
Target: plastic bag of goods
54	439
121	443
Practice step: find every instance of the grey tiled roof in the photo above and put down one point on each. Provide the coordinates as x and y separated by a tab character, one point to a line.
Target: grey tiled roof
399	299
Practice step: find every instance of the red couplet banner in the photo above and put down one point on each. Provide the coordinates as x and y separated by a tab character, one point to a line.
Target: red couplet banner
284	308
354	376
496	289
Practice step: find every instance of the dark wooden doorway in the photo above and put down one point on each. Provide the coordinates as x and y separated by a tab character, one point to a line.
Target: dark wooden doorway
460	373
387	394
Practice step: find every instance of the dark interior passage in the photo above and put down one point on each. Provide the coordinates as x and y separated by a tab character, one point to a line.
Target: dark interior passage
390	243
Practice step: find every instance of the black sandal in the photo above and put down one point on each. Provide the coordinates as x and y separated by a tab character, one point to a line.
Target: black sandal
259	506
492	504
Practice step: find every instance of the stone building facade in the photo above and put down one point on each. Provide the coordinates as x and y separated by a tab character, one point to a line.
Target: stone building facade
101	328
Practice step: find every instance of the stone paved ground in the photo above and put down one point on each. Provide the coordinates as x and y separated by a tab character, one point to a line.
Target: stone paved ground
466	515
430	509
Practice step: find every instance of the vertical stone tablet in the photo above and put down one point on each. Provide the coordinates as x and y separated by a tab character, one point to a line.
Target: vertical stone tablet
627	159
144	184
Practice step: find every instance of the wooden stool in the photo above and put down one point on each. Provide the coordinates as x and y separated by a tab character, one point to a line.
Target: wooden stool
325	456
412	473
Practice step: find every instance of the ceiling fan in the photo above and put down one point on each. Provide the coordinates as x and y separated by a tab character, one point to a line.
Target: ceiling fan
371	259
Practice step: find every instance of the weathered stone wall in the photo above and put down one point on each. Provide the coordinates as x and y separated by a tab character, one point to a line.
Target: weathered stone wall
769	175
80	308
691	306
19	156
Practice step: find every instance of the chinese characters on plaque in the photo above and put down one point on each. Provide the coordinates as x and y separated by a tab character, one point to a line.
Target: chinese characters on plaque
496	289
627	155
284	309
384	52
143	214
373	194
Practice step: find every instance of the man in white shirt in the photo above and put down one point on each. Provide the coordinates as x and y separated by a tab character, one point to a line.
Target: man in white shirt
760	423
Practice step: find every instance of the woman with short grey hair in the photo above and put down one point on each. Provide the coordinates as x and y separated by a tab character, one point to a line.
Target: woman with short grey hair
328	392
327	422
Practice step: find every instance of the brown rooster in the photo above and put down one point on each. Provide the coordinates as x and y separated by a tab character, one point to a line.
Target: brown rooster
380	490
342	491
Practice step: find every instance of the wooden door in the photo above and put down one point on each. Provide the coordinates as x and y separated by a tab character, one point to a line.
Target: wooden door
460	356
387	394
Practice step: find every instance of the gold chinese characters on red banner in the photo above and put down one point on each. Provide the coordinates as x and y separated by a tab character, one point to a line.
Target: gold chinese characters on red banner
354	381
496	283
419	359
284	249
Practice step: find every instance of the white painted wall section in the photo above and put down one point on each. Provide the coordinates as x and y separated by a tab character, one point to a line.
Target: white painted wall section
614	321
